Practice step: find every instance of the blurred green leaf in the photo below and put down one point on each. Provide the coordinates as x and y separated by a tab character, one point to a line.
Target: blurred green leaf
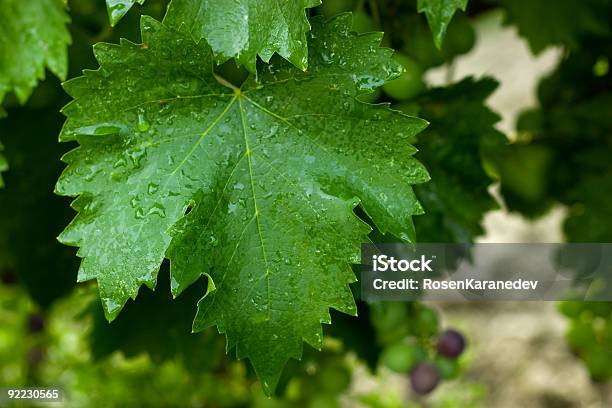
33	36
439	14
558	22
118	8
462	130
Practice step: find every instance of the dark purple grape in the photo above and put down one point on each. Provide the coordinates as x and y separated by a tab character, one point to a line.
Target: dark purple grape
424	378
8	277
451	344
36	323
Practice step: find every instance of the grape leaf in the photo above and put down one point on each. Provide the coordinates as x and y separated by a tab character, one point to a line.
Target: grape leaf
439	14
33	35
247	28
557	22
119	8
462	129
267	174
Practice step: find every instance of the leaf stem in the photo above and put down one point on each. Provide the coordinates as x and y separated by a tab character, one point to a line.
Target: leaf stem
226	83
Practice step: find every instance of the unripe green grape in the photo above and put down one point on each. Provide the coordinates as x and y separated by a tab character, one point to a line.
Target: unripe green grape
523	159
427	322
460	38
571	308
402	357
409	83
449	369
580	335
419	45
330	8
392	321
601	66
387	316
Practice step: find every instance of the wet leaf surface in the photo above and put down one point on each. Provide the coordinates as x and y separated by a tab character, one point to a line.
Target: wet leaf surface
242	185
245	29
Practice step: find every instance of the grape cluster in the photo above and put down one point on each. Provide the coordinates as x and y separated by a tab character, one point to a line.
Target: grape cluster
415	345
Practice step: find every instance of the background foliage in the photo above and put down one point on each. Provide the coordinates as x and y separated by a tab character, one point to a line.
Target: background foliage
54	333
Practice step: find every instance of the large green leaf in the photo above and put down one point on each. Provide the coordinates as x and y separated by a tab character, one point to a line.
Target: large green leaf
118	8
439	14
268	176
33	35
247	28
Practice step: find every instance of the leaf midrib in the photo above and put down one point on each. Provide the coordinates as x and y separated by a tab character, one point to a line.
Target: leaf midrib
259	232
